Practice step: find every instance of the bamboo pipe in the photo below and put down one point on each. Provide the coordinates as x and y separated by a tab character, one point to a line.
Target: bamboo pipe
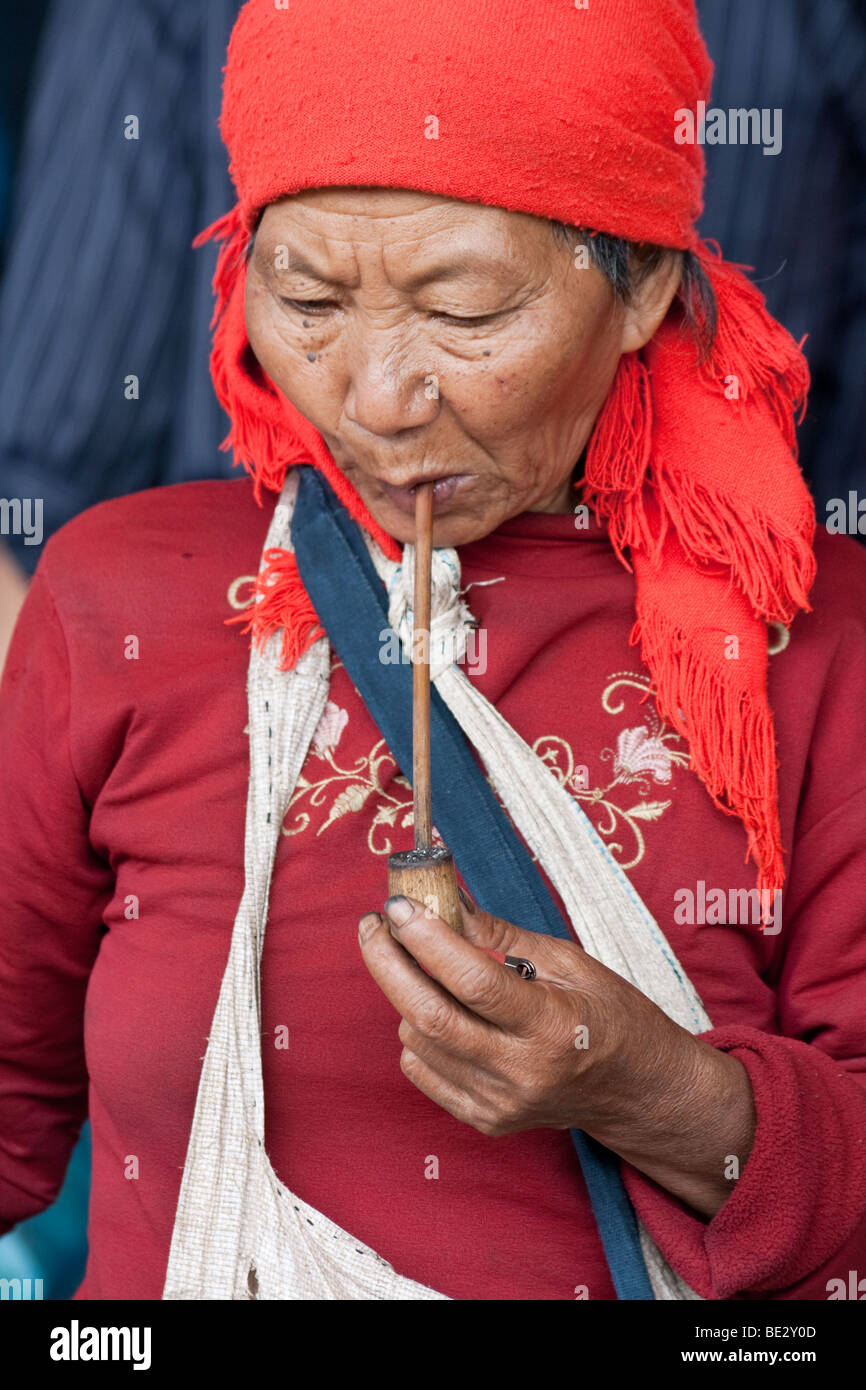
425	873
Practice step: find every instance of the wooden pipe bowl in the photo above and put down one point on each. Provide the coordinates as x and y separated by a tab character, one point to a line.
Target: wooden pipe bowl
428	876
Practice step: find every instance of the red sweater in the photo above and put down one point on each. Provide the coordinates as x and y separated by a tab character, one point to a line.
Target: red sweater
124	770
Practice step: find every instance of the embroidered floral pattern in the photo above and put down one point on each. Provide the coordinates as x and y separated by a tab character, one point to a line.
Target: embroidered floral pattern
645	754
644	757
638	753
330	727
363	784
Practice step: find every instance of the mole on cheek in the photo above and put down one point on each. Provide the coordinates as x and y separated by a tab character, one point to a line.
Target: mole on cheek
311	357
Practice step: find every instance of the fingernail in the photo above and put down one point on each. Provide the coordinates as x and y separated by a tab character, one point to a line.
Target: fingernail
368	924
399	910
466	900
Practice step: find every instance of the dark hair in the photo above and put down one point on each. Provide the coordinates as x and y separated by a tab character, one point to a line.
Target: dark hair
626	264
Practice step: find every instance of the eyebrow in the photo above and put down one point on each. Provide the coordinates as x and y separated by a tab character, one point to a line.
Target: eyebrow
470	263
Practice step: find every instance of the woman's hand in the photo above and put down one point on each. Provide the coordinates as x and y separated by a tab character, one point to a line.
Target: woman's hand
578	1047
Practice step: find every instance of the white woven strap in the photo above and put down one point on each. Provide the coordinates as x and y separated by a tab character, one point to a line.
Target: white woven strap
239	1233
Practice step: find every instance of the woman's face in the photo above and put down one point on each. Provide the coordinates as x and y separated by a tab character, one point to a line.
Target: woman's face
428	338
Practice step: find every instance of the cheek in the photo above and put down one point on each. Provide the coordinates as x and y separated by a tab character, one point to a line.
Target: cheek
538	382
274	349
295	359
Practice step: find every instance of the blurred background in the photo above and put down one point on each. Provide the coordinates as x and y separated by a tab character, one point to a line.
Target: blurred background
111	162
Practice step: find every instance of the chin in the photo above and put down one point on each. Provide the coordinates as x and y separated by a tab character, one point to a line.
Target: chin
449	529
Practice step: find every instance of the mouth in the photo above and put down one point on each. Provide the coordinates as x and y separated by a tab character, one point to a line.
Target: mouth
446	488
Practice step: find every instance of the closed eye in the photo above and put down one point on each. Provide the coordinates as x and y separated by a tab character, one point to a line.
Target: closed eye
318	306
309	306
475	322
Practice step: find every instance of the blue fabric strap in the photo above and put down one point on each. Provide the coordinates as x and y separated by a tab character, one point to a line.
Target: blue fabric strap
351	603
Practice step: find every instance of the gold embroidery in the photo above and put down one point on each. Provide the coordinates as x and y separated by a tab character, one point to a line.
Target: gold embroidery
779	640
232	594
354	785
645	755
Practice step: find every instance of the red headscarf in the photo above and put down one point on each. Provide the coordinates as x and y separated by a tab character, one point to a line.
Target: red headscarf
543	107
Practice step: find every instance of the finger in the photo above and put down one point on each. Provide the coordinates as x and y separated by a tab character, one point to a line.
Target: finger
471	1108
441	1091
424	1003
455	1066
482	985
481	1080
558	962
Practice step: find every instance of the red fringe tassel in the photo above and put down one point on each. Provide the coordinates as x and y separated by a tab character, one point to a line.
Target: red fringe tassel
281	601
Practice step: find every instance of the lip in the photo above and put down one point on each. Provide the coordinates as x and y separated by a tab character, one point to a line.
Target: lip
446	489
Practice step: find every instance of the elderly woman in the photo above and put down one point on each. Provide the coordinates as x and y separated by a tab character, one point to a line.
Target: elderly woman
463	252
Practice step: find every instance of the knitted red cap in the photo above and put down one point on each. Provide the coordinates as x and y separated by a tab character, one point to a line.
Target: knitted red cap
538	106
569	112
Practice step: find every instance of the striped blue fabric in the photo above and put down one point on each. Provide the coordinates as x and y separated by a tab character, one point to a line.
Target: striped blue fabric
799	217
101	281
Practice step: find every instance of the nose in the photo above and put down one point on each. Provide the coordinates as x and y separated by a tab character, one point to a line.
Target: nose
389	389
